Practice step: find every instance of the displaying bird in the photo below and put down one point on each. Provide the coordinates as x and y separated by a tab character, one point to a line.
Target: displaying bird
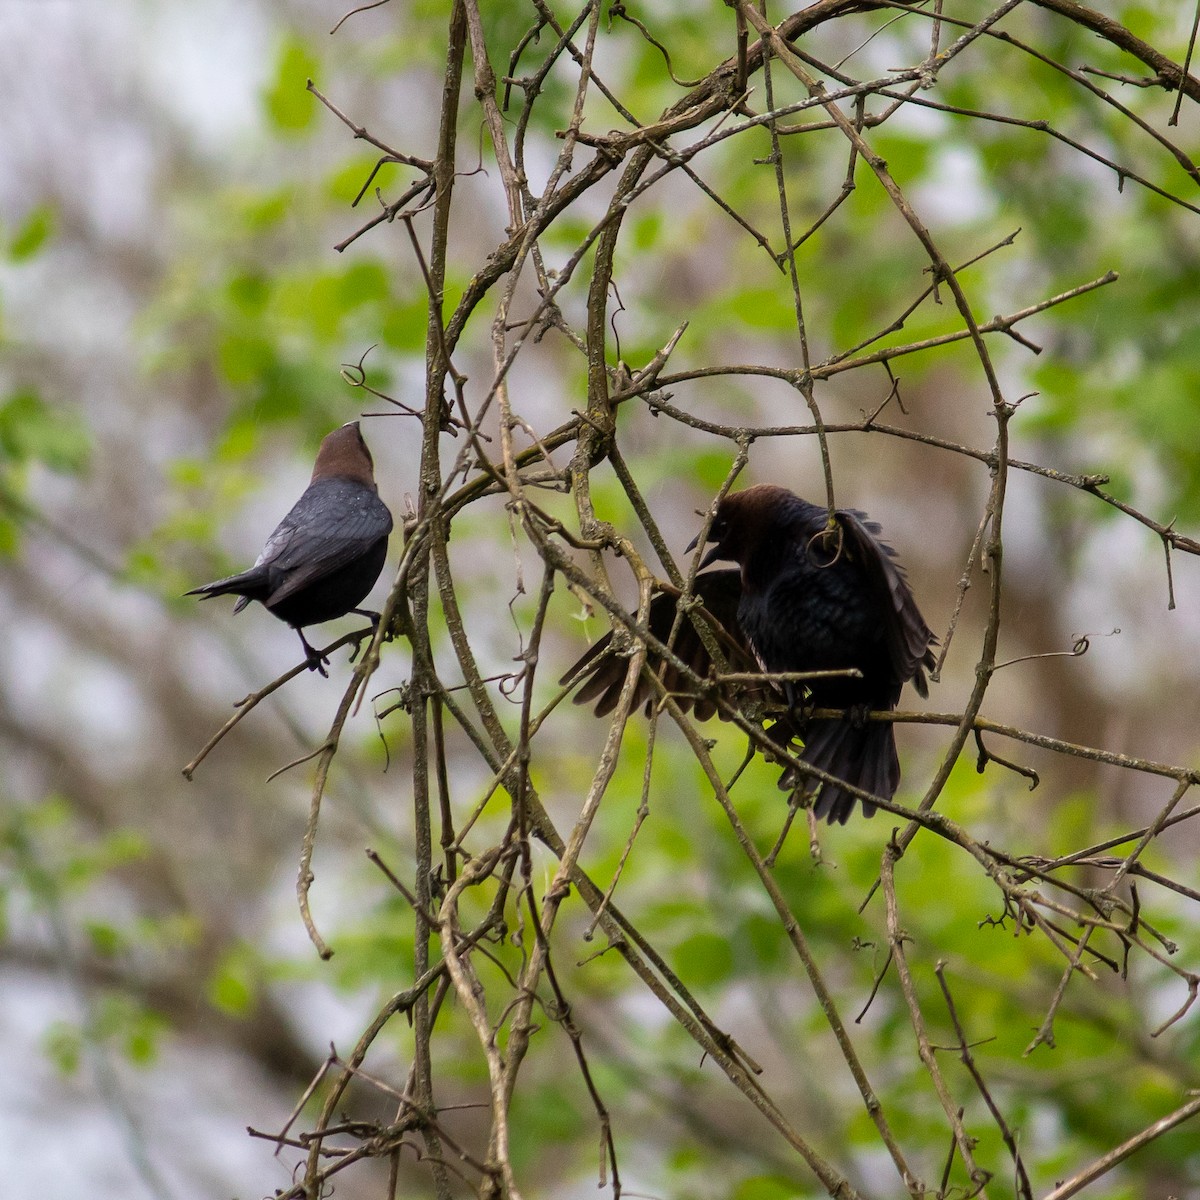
603	675
327	553
806	597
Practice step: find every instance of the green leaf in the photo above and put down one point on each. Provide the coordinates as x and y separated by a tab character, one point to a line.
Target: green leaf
10	537
767	1187
261	212
141	1042
30	430
404	323
704	958
345	183
123	846
710	467
243	357
63	1044
122	1020
33	233
106	939
364	282
288	103
249	291
232	987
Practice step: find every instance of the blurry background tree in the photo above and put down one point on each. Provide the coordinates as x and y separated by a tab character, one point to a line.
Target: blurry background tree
940	257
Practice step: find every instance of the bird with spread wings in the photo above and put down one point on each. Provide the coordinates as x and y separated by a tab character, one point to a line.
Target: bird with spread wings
805	596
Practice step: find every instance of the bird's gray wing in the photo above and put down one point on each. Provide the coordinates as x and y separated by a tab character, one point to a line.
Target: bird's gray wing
335	522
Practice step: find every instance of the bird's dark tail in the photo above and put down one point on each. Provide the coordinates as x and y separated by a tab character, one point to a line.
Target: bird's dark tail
862	754
249	585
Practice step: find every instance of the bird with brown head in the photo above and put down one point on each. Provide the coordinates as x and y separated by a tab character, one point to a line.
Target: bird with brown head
327	553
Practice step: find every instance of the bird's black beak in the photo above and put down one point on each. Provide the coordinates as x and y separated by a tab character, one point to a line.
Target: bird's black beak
713	554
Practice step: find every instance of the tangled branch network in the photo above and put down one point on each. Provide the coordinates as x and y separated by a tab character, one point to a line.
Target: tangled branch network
497	939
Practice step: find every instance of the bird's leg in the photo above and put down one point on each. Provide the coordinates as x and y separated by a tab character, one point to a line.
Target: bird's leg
801	701
374	618
783	734
316	660
856	714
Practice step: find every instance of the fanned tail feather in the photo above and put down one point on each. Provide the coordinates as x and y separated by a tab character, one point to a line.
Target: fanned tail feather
863	756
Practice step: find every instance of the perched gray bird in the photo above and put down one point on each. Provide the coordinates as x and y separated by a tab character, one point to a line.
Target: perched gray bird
327	553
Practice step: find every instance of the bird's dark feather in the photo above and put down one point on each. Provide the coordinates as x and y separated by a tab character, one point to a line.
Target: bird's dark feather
603	673
326	554
334	523
908	638
805	597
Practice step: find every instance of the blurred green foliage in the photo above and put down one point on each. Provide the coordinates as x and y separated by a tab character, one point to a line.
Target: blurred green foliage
34	432
56	873
118	1021
32	234
258	303
290	107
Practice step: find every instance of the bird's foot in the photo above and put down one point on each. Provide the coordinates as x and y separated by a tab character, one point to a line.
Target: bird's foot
799	698
313	658
785	735
374	618
857	715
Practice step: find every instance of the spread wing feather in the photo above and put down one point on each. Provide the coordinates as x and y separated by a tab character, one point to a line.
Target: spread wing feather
909	639
603	672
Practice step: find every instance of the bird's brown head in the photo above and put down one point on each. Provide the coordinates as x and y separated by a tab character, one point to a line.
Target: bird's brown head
747	520
344	455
